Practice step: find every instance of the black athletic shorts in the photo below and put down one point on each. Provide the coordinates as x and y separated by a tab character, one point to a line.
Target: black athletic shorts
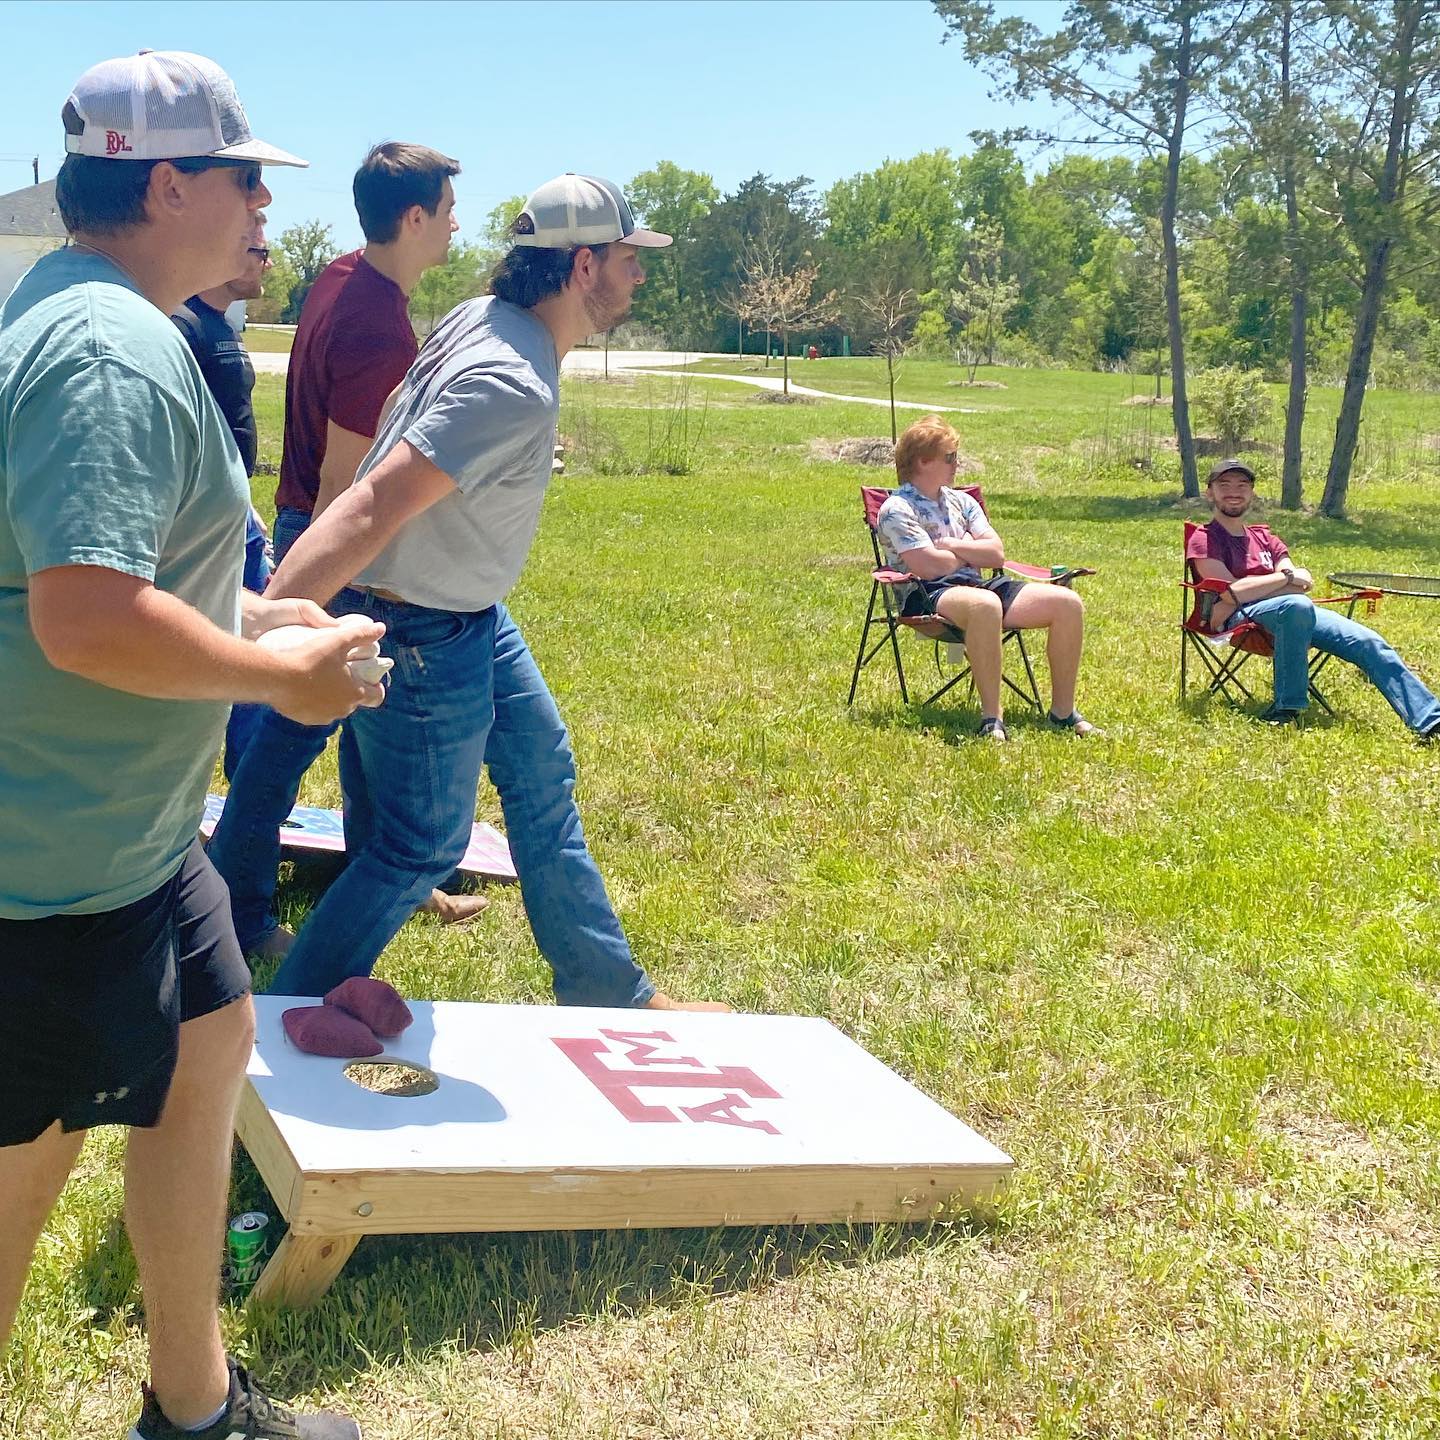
923	594
91	1005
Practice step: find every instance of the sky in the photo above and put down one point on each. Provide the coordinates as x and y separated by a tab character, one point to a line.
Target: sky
520	92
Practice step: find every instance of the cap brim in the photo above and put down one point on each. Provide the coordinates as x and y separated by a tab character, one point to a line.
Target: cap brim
650	239
259	150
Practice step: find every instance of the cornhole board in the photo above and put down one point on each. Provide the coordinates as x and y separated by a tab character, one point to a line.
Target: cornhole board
313	828
567	1118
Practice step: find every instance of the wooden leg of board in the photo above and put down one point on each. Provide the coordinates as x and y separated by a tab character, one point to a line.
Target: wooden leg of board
302	1269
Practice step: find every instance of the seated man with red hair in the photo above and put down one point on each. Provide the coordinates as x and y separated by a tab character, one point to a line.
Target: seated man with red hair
943	538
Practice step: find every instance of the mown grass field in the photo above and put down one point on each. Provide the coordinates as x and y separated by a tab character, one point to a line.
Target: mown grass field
1186	975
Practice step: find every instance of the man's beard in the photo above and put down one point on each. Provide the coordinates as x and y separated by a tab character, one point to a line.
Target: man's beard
604	308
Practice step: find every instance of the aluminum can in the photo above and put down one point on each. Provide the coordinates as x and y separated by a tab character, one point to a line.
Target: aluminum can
246	1241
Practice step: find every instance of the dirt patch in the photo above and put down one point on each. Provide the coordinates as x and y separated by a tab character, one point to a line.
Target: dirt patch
779	397
977	384
1147	400
877	450
859	450
1208	445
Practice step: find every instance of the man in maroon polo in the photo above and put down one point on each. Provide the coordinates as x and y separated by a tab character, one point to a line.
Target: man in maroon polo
352	348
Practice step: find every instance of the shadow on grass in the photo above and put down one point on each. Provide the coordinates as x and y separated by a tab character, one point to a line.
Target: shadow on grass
400	1296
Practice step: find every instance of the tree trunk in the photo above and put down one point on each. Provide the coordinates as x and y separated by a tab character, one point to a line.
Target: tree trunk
1292	483
1389	194
1180	406
1357	376
785	358
890	371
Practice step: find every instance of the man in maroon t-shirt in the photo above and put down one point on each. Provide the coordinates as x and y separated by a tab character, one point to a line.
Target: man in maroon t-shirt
352	348
1265	585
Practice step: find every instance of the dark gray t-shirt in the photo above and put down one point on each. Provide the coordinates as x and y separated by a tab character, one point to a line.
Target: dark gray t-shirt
480	403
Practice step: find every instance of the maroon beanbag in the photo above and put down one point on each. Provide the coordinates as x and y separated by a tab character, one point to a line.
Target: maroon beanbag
373	1002
322	1030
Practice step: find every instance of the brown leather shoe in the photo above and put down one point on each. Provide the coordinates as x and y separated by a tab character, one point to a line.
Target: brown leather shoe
661	1001
455	909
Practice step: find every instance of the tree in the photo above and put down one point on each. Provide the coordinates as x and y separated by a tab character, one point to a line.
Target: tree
782	297
890	311
715	269
441	288
1275	97
984	294
675	202
310	247
1391	137
1135	69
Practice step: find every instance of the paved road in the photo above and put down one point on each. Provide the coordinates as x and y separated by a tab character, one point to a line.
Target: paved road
664	362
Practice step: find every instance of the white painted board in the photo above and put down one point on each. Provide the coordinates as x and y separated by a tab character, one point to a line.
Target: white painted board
537	1087
312	827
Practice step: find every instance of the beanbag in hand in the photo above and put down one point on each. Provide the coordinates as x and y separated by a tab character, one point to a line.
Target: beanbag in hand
322	1030
373	1002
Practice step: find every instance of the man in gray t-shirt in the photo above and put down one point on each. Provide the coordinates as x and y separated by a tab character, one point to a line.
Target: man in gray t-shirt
430	539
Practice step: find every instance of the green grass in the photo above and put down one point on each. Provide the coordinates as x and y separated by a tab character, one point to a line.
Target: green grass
269	342
1186	976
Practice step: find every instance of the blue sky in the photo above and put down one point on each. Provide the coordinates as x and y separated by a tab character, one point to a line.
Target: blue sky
519	92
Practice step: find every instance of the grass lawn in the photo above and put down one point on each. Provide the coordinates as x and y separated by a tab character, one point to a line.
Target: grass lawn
1186	975
269	342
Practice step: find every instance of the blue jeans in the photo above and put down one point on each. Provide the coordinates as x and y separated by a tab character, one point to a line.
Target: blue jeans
264	784
1297	626
465	692
290	525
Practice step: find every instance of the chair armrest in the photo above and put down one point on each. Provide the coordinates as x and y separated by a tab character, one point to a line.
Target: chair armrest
1047	574
891	577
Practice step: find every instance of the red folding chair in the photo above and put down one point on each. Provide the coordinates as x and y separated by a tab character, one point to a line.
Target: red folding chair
1225	652
884	612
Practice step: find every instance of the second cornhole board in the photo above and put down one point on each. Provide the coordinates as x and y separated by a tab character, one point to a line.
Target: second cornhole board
574	1119
313	828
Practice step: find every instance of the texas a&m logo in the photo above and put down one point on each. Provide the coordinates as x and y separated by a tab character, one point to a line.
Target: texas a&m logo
623	1062
116	143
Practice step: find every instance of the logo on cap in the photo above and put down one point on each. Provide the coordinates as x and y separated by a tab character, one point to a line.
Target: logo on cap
523	225
116	143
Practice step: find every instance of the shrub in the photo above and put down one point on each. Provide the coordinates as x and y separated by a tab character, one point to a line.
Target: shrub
1233	402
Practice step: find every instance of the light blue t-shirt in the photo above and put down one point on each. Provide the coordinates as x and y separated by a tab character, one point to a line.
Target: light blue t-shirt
480	403
114	454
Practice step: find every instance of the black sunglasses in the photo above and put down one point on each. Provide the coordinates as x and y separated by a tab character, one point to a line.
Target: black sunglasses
249	170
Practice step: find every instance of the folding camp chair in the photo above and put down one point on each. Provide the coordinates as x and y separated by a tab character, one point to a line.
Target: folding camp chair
1225	652
884	612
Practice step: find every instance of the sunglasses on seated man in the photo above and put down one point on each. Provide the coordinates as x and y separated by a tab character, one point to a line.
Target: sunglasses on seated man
249	170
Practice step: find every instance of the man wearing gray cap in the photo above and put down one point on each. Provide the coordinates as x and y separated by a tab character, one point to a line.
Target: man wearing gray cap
1268	587
429	539
123	995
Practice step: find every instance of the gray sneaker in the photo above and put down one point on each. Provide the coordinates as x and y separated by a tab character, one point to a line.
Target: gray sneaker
250	1415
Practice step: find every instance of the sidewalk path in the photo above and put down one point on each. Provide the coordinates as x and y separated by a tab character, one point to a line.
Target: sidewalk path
665	362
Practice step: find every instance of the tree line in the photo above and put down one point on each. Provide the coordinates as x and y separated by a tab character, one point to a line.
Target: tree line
1251	185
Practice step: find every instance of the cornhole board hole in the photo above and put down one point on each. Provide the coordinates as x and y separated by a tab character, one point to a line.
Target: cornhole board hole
315	829
574	1119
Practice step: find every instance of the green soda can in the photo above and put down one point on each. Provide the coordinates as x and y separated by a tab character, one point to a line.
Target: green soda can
246	1241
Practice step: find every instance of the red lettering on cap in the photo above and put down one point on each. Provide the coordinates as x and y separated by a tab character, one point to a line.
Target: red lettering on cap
116	143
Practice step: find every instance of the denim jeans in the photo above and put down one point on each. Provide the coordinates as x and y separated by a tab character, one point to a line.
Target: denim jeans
290	525
264	784
1297	626
465	692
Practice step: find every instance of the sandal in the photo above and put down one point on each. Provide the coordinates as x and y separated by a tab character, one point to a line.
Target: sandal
1076	724
993	728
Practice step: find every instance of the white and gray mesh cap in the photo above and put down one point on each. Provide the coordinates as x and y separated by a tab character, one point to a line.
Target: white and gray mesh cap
162	105
580	210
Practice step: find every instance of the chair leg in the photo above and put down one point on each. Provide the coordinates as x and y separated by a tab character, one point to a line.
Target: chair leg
860	653
1033	698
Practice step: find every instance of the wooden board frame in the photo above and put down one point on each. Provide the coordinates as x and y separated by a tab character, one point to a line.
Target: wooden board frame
329	1210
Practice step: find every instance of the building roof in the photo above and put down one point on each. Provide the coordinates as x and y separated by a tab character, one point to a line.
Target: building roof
31	211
